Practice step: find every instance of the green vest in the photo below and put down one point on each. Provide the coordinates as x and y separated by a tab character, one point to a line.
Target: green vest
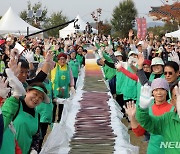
109	72
38	58
2	66
45	110
79	59
107	57
119	82
129	87
155	140
8	143
26	126
61	83
74	65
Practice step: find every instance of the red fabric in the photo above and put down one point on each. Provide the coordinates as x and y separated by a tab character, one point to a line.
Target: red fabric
139	131
2	42
128	74
158	110
17	148
147	62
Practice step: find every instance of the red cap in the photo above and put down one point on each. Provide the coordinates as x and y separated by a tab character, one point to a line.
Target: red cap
147	62
62	55
2	42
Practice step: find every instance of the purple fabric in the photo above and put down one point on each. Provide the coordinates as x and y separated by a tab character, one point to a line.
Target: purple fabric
160	83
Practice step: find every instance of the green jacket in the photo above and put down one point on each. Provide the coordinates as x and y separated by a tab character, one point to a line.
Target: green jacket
167	125
46	110
109	72
9	110
75	66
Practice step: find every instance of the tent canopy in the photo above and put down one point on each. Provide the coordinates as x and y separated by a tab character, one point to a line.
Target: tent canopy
70	29
12	23
175	34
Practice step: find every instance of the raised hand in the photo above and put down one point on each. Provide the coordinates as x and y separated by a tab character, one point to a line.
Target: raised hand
140	60
145	96
130	109
4	89
29	55
174	57
131	33
17	87
14	66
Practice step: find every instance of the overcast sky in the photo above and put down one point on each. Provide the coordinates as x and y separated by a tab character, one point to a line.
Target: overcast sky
84	8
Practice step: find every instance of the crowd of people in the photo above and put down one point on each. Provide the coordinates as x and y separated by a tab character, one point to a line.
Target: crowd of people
35	83
142	75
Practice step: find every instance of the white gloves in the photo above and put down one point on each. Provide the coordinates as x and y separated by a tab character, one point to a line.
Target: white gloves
72	91
100	53
17	87
14	66
174	57
177	90
4	89
33	152
60	100
145	96
29	55
132	60
118	65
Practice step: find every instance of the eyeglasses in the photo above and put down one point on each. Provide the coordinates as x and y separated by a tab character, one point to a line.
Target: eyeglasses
170	73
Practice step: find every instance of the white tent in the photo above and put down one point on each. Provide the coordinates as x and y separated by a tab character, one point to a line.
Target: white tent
12	23
175	34
70	29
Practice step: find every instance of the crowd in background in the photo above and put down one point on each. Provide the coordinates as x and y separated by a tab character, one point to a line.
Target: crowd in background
38	80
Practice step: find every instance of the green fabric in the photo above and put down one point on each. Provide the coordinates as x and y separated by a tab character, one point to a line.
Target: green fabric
129	88
61	83
107	57
8	143
167	125
2	66
152	76
97	45
25	85
79	58
155	140
46	110
109	72
74	65
119	82
38	58
26	127
9	109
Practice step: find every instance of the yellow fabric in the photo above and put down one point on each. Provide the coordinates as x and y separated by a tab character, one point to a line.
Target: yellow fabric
53	72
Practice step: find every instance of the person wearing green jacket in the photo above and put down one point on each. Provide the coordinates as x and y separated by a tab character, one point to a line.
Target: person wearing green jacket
26	122
110	74
166	125
74	65
9	110
46	111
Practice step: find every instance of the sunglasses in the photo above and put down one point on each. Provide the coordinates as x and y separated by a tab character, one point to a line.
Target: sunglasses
170	73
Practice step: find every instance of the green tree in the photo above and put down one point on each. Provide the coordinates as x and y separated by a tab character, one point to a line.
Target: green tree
124	17
104	27
34	21
54	20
